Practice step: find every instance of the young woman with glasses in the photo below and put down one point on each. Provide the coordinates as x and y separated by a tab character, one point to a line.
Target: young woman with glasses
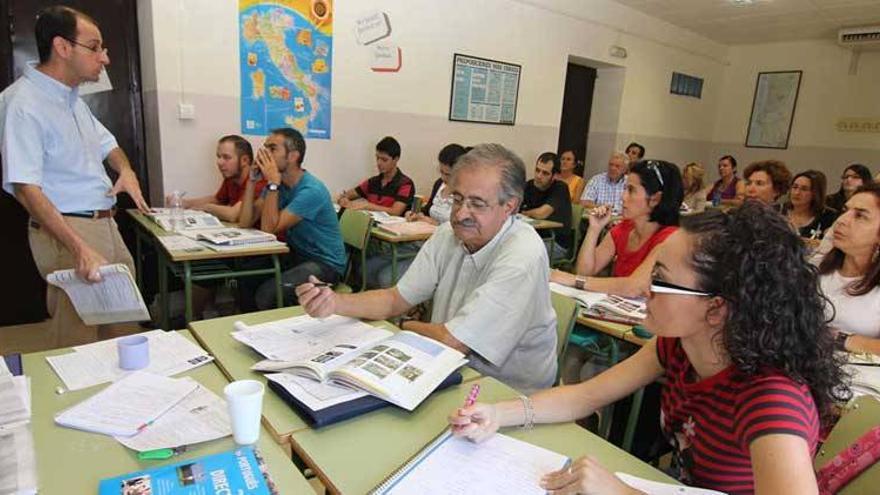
805	208
854	176
651	203
749	371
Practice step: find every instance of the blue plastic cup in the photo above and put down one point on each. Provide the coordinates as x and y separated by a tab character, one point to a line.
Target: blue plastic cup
134	352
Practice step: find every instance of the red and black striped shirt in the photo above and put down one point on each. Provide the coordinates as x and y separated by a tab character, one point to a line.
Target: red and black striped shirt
712	422
399	188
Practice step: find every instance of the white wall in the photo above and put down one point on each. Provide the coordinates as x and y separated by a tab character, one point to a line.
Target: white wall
190	53
828	92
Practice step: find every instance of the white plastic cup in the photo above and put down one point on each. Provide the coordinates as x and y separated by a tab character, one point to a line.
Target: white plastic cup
245	401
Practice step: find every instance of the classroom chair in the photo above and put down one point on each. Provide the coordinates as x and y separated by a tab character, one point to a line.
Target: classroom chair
355	226
566	313
861	415
577	213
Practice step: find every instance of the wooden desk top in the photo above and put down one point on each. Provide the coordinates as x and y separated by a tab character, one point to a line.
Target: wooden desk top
355	456
385	236
205	253
73	461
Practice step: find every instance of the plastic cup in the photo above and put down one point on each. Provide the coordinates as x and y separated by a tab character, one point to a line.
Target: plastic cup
245	401
134	352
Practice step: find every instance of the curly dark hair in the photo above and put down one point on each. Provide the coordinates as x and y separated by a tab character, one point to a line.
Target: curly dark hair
754	260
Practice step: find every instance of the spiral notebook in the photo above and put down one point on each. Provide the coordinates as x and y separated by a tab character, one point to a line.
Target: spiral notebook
449	465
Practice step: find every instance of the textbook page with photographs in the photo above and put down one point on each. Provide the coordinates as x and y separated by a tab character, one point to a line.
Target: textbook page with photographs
235	236
402	368
191	219
605	306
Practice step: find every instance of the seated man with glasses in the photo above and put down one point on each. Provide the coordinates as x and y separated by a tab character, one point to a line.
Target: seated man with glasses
486	273
745	354
53	150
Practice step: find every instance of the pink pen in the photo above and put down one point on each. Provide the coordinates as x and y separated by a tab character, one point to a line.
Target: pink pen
472	397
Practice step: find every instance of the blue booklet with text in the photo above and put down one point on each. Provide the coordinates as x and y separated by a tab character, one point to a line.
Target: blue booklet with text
239	471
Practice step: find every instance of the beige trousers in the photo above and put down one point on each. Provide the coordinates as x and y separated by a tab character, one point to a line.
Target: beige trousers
65	327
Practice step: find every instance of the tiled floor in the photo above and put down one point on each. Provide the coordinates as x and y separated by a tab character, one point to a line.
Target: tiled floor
28	338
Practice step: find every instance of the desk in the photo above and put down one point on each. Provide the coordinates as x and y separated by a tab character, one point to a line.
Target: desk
355	456
620	331
183	264
235	360
395	241
73	461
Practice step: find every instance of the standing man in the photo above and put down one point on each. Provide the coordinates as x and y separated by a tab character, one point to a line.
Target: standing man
53	148
607	188
487	274
547	198
391	191
297	203
234	160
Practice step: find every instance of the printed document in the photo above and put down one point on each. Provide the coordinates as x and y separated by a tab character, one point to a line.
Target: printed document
114	299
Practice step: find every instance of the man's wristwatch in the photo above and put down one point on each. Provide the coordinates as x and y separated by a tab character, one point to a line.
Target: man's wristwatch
840	340
272	186
580	282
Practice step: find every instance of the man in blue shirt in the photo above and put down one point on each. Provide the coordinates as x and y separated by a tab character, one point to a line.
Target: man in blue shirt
297	203
53	148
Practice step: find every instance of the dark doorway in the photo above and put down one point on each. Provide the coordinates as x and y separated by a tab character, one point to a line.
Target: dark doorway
577	103
120	110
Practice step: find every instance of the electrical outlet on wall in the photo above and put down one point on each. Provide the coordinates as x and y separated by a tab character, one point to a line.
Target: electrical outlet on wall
186	111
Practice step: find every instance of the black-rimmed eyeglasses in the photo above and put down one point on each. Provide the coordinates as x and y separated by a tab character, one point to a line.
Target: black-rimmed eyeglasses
97	49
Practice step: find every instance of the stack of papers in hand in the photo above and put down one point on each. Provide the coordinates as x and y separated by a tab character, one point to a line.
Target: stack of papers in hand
114	299
605	306
93	364
128	406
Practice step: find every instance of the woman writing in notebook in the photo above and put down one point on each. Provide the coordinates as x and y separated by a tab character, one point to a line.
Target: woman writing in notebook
651	203
851	273
748	366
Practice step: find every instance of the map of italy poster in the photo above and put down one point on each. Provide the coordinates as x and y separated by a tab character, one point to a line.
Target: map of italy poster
286	59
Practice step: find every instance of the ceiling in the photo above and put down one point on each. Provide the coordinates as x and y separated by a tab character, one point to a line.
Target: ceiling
763	20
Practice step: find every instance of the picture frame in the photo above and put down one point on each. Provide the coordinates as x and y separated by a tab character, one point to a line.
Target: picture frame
483	91
773	107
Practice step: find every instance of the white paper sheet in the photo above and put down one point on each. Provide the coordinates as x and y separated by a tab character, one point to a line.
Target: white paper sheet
657	488
180	243
18	467
865	380
93	364
4	370
114	299
201	417
501	465
15	401
314	394
129	405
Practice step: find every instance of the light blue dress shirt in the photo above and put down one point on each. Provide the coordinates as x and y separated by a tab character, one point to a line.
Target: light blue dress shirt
49	137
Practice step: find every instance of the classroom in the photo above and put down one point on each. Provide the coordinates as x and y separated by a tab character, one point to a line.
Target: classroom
410	246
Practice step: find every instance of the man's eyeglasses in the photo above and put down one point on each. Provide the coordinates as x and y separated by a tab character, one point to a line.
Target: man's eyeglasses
98	49
475	205
661	287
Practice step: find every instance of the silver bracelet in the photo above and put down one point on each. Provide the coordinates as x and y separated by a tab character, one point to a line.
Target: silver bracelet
528	413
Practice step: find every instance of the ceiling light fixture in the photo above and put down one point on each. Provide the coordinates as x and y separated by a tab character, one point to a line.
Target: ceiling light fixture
742	2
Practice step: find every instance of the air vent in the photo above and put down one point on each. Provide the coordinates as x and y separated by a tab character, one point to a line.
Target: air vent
863	37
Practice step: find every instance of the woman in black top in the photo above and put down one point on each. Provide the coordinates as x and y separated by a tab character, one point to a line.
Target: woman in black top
805	208
854	177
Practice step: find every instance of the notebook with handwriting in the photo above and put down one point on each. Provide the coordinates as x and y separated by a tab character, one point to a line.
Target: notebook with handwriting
501	465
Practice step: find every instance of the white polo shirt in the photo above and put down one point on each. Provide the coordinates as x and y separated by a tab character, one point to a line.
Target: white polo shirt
495	301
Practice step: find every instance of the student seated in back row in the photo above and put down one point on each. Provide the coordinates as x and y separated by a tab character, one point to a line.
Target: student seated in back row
851	273
235	157
486	273
651	203
390	191
297	203
750	376
546	198
606	189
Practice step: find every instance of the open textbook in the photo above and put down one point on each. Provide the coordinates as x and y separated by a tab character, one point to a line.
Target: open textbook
605	306
402	368
191	219
234	236
114	299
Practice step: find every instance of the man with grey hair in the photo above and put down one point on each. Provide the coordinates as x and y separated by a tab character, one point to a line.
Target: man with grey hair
486	272
607	188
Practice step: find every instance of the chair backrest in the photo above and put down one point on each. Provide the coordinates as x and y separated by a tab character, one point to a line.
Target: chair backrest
862	415
355	226
566	313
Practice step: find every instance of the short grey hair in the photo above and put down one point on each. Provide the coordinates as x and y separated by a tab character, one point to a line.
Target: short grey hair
623	156
510	166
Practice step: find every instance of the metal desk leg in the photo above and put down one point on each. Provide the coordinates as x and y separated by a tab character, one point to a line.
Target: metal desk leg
187	292
163	292
552	246
279	297
138	263
608	411
633	419
393	263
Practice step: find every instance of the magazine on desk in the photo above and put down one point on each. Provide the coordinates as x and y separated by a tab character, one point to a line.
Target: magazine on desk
402	368
605	306
192	219
234	236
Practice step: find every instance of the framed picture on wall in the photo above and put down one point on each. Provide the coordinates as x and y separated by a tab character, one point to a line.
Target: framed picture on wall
483	90
773	107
